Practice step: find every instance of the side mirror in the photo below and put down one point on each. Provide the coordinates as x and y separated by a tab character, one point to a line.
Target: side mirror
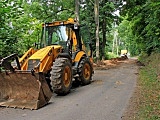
75	26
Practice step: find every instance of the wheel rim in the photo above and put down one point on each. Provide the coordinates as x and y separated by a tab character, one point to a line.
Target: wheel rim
87	71
67	76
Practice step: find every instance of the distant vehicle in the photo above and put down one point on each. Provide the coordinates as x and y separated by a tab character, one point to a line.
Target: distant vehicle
124	52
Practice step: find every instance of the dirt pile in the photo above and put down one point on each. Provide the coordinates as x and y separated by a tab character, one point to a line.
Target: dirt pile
106	64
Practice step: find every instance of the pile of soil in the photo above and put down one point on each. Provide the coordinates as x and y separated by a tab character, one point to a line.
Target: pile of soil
107	64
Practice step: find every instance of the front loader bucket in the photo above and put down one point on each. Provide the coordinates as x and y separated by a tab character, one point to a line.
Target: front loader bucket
21	89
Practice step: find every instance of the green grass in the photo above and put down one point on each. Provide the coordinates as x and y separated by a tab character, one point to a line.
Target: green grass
149	82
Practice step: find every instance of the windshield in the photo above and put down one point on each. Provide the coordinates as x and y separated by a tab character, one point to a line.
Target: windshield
54	35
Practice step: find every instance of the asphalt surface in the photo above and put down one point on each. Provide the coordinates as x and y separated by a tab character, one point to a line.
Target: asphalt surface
106	98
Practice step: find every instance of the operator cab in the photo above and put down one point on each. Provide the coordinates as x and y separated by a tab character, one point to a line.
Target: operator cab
54	35
66	35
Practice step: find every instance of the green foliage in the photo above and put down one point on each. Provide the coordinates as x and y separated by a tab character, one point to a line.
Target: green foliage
143	18
48	11
127	37
8	11
110	55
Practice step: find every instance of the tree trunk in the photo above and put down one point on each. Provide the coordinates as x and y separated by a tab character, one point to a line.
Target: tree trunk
77	9
104	38
96	9
113	44
117	46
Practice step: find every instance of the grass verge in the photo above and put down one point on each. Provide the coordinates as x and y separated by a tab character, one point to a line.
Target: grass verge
149	88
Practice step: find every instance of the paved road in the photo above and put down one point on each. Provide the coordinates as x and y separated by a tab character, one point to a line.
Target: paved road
106	98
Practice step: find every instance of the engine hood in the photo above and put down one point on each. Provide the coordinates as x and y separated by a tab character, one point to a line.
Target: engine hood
42	53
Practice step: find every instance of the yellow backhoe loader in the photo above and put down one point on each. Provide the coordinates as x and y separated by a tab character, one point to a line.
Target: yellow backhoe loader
64	54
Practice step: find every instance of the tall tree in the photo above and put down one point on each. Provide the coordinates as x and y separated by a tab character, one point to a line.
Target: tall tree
96	8
77	9
106	21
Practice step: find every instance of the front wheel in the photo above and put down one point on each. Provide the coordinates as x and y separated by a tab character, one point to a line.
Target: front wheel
61	76
85	71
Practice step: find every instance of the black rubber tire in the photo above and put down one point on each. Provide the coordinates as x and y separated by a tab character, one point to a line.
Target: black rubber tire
61	76
85	71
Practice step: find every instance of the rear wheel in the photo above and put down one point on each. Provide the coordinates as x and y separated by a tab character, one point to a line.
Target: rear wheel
85	71
61	76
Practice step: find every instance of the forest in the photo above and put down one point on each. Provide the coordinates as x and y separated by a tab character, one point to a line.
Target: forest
113	25
122	24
